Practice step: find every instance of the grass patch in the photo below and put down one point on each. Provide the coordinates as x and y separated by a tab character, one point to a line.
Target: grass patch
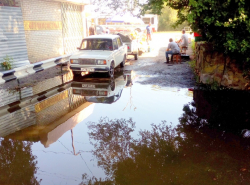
192	65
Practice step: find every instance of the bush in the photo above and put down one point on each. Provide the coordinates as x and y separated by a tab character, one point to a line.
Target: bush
7	64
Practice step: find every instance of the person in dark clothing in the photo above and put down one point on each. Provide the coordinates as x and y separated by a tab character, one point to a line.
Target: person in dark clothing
92	29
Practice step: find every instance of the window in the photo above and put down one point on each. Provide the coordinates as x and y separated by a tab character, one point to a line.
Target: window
101	21
115	44
146	20
97	44
119	42
152	20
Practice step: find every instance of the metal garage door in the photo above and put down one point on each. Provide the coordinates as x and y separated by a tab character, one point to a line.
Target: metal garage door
12	36
72	26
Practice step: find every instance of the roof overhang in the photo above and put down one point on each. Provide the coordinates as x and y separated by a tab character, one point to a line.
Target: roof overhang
79	2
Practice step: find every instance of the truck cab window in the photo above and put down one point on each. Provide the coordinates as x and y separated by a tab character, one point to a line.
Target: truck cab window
119	42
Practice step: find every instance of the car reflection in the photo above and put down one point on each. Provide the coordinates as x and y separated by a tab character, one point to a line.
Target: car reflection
101	90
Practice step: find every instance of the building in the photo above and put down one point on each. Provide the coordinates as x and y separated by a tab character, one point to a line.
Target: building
36	30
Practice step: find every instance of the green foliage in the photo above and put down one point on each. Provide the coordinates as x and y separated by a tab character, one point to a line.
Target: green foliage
192	65
7	64
167	20
193	45
225	23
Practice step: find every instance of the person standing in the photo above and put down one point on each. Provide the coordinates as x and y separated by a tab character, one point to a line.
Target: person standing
173	48
92	29
183	40
107	30
149	32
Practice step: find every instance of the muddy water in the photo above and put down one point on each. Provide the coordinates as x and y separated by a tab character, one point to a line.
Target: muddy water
124	133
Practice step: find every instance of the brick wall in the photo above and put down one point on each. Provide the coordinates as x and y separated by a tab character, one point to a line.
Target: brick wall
42	44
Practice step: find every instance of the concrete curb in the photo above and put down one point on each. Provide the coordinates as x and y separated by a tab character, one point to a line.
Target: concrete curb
29	69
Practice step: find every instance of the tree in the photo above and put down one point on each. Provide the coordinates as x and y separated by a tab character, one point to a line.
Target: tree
167	20
112	7
225	23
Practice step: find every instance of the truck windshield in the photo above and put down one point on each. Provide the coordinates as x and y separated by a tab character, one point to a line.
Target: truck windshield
97	44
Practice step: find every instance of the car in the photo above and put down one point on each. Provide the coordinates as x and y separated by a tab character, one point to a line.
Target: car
100	90
99	54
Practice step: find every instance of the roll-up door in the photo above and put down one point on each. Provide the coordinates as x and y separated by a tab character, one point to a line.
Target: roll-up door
72	26
12	36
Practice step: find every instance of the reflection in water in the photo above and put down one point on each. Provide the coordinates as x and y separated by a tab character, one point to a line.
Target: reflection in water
225	110
209	143
101	90
17	163
209	146
39	105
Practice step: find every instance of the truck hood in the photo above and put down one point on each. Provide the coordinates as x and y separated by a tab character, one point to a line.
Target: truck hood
97	54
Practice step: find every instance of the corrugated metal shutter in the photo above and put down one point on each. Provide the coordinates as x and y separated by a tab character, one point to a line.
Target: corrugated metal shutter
72	26
12	36
8	96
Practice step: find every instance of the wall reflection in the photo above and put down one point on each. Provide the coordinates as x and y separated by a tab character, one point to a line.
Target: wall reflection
54	106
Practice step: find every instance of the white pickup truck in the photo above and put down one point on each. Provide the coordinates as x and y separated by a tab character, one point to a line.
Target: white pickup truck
132	45
99	53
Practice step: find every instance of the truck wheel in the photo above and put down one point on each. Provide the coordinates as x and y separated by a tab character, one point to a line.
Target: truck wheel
122	64
136	56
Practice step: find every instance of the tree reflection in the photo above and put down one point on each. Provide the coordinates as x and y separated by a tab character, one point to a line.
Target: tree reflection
200	150
17	164
111	139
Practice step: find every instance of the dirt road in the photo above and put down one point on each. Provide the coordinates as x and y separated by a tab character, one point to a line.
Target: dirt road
152	69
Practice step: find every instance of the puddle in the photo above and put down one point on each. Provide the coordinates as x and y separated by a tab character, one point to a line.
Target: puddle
61	135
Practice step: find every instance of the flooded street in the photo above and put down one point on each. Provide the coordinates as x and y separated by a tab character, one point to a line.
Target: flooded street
148	125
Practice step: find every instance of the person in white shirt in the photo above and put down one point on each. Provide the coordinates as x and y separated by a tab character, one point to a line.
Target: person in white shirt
183	42
173	48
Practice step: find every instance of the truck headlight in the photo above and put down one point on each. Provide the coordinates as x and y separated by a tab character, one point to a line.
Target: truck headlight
74	61
101	62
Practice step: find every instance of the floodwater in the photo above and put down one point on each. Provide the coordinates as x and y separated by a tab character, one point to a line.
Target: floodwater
118	131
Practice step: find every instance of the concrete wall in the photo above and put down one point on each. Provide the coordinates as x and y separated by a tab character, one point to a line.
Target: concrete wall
214	68
42	44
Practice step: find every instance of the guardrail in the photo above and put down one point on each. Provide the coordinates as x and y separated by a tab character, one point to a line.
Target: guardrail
27	70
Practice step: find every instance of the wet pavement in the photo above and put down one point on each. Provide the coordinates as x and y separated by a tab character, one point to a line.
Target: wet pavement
133	129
